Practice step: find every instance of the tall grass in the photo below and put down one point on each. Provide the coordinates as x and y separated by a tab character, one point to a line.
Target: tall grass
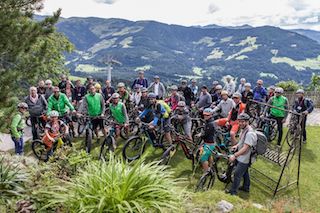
118	187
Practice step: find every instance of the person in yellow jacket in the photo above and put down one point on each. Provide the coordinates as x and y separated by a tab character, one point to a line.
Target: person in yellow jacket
17	126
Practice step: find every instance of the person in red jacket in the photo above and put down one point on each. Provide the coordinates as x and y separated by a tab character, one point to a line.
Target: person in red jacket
231	120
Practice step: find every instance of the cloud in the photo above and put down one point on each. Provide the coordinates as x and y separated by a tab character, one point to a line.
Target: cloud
106	1
212	8
298	5
314	19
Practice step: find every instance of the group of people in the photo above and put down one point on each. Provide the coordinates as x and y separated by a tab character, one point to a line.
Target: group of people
220	106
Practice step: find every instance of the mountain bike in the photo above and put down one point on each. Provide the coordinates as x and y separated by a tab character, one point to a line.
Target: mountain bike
109	143
268	126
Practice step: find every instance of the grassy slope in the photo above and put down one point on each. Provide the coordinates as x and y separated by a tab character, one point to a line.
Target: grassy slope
286	201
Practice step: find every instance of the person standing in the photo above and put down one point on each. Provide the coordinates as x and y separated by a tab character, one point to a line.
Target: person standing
241	86
141	80
41	88
158	88
49	89
305	106
247	94
260	95
213	88
216	97
108	91
225	106
187	92
194	88
78	93
230	86
136	95
175	97
205	99
62	84
278	105
17	126
37	106
247	140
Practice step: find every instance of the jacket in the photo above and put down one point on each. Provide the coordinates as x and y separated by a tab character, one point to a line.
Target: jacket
161	91
38	108
62	104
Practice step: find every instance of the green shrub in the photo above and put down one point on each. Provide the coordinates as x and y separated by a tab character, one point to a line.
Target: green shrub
118	187
288	86
12	181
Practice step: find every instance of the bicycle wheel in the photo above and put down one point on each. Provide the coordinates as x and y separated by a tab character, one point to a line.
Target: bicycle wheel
197	135
168	154
273	130
206	181
88	140
134	148
132	130
223	170
39	150
107	148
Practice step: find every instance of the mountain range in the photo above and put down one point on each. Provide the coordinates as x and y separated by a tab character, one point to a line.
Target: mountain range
177	52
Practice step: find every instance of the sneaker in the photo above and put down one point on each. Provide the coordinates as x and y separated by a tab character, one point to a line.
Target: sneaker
304	141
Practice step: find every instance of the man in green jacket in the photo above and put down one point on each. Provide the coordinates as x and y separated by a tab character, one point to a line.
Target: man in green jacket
17	126
93	106
59	102
278	113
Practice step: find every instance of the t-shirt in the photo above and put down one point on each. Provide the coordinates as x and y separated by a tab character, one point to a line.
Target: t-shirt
55	128
249	137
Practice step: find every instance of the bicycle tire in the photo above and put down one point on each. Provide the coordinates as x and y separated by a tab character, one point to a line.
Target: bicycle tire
224	175
133	130
106	147
168	154
88	140
206	181
39	150
137	143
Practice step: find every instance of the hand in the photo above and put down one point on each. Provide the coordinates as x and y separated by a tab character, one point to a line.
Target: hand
261	116
305	113
151	126
107	102
126	125
102	115
232	158
234	148
51	139
74	111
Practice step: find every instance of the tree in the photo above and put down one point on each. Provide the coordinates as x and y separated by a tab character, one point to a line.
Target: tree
315	82
29	49
288	86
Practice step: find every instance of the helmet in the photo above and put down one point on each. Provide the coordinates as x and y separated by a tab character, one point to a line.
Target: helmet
218	87
215	83
174	87
54	113
97	86
300	91
181	104
143	89
121	85
208	111
89	77
247	85
272	87
243	116
152	95
156	77
115	95
236	95
137	86
184	81
23	105
229	77
279	90
224	92
48	82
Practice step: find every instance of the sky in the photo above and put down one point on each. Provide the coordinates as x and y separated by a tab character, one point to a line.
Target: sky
288	14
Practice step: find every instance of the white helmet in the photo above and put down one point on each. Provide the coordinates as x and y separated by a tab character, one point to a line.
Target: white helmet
121	84
48	81
54	113
278	90
23	105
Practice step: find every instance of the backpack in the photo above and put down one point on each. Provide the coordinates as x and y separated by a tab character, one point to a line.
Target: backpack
165	108
260	148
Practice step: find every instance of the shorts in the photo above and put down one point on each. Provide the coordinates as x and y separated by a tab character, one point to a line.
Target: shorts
97	123
234	125
206	152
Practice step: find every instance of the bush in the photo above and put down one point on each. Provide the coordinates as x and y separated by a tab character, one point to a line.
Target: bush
288	86
118	187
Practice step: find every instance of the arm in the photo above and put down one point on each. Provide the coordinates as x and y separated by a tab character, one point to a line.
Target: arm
134	83
14	126
50	106
267	108
83	108
309	106
157	115
124	111
147	83
103	106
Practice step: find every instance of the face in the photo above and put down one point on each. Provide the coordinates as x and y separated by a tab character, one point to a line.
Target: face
243	81
228	80
56	93
78	83
144	94
90	81
141	75
183	85
243	124
33	92
224	97
207	116
299	95
193	83
152	100
92	90
247	89
121	89
48	85
259	83
115	100
41	84
219	91
22	109
236	100
204	91
174	92
54	118
156	80
108	83
277	94
63	78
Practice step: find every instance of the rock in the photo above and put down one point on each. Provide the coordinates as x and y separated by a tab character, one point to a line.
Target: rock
224	206
258	206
